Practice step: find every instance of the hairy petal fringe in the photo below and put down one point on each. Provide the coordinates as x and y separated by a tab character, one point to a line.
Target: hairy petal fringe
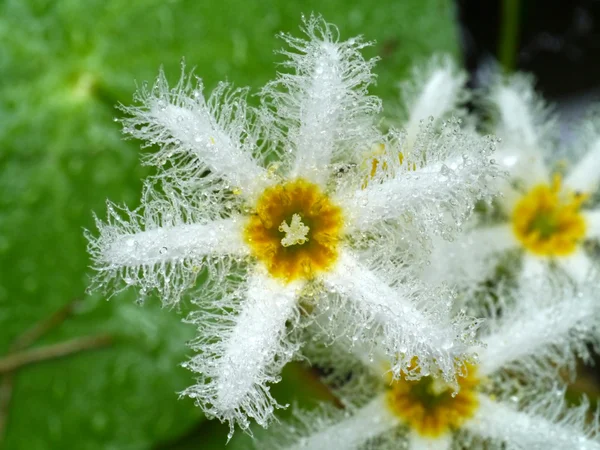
163	245
550	323
522	115
584	174
330	428
323	109
435	187
399	321
525	124
435	90
242	354
205	140
547	425
471	257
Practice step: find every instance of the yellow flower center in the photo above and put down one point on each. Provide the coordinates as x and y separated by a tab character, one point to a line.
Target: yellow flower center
548	220
295	233
430	406
294	230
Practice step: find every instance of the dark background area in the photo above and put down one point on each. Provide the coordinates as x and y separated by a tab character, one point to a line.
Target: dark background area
558	41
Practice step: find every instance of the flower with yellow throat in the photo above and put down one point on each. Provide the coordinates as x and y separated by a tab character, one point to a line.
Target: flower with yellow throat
511	396
547	209
265	206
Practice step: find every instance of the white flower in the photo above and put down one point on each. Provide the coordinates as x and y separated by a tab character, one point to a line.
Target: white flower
434	91
268	206
547	210
510	398
433	100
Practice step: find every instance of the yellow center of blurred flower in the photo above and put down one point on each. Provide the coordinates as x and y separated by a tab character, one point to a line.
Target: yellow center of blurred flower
548	220
430	406
294	230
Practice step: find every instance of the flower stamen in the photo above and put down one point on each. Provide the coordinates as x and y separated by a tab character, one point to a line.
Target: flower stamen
295	232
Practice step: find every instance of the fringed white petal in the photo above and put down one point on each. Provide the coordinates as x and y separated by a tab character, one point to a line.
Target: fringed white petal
324	107
526	126
585	176
432	92
470	257
592	222
390	317
353	431
550	320
534	271
578	266
418	442
516	120
197	135
435	187
526	169
235	372
523	119
163	245
500	422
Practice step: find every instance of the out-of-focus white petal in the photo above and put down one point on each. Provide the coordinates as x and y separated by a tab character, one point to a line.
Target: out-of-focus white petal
470	257
526	168
592	221
509	195
418	442
549	321
522	115
533	271
526	127
432	92
324	107
365	423
515	114
198	135
390	316
235	371
520	430
585	176
577	265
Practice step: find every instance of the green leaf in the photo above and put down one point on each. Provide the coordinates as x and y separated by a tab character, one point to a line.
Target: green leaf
64	66
122	396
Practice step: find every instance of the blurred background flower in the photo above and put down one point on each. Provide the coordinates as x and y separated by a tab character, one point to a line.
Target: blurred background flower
78	372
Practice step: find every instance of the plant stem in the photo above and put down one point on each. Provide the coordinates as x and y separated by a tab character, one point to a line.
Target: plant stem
6	391
42	327
14	361
509	34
